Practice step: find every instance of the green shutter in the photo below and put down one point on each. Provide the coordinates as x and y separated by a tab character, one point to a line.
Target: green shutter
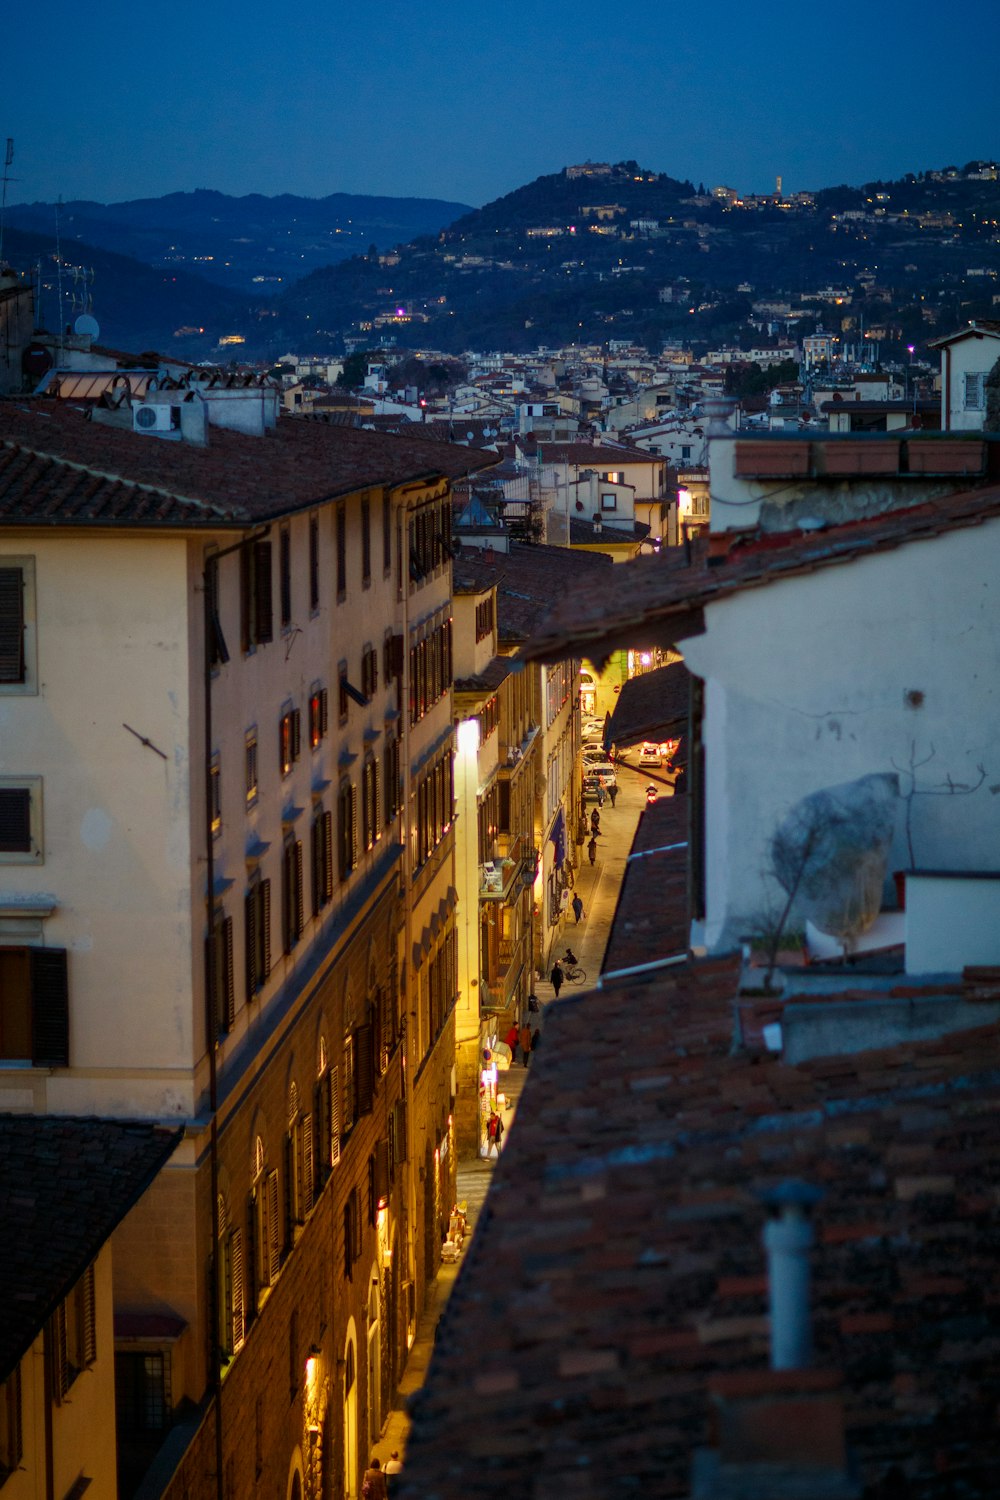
11	625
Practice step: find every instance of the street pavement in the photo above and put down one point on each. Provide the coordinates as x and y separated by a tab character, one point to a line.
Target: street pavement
599	886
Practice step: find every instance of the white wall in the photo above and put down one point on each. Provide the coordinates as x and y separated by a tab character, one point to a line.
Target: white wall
112	651
806	687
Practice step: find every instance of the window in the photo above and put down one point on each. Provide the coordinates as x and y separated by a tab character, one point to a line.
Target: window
390	777
369	672
484	619
973	393
217	649
342	695
250	764
313	564
74	1334
257	623
232	1322
21	820
219	975
299	1172
257	933
369	803
11	1436
347	828
293	914
264	1224
352	1231
319	716
215	793
17	625
322	860
612	477
386	533
341	530
34	1006
142	1392
285	575
609	500
366	542
289	739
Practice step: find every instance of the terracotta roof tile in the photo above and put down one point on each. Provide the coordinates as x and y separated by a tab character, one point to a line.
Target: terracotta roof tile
58	467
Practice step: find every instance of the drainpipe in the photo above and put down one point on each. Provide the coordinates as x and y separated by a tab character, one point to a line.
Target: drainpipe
788	1238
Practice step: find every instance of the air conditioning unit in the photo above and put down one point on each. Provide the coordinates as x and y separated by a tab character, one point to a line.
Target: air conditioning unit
152	417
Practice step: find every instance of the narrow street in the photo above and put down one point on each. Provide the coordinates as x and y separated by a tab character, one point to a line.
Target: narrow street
598	886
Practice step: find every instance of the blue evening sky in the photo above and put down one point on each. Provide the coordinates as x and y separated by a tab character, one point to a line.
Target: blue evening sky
468	101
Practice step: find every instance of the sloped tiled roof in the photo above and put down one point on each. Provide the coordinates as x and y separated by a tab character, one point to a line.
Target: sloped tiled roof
618	1267
59	468
652	706
528	579
649	599
65	1185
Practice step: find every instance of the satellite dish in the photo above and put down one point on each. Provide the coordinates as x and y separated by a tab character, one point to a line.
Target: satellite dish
86	326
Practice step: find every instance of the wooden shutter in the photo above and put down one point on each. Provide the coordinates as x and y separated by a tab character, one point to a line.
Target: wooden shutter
251	942
263	607
354	825
348	1099
292	1215
273	1228
265	929
381	1172
334	1087
11	625
364	1069
296	733
299	889
307	1169
228	973
251	1258
15	820
316	850
87	1332
399	1115
60	1353
49	1008
238	1324
328	856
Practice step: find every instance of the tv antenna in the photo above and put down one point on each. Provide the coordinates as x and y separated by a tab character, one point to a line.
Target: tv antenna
8	161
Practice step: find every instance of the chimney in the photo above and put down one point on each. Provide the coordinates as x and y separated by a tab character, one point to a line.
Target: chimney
788	1238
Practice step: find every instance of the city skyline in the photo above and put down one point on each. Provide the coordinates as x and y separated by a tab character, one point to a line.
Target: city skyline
466	106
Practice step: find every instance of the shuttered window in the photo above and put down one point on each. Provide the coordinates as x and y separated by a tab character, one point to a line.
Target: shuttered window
364	1068
335	1124
12	662
11	1432
219	975
257	930
34	1006
285	572
256	612
15	820
236	1317
273	1227
293	913
322	860
347	828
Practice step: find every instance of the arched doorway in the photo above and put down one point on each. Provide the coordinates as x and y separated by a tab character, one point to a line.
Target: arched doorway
350	1423
374	1365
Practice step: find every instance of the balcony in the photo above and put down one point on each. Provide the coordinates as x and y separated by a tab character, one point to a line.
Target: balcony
497	986
500	878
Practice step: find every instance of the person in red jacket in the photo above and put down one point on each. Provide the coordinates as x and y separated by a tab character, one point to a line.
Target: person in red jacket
511	1040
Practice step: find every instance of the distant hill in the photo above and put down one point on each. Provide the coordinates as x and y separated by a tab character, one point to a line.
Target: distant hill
630	254
588	255
137	307
255	245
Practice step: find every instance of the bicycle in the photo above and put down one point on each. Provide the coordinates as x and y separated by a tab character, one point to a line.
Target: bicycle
572	973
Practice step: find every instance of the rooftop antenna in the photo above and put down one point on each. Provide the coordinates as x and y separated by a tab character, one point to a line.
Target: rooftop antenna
59	290
8	160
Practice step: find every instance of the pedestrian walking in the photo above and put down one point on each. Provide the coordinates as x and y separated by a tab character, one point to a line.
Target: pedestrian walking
577	908
595	821
556	978
592	850
601	794
525	1037
535	1037
511	1040
392	1471
373	1484
613	792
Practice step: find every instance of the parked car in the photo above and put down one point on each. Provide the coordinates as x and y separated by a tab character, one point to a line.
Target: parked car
600	771
592	729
